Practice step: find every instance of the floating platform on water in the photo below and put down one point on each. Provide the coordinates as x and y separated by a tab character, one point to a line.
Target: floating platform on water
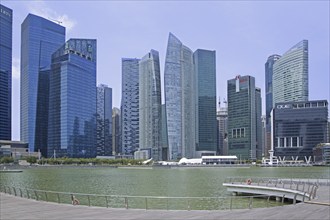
11	171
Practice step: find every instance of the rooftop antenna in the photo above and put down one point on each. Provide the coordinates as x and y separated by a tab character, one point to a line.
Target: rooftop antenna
219	103
57	21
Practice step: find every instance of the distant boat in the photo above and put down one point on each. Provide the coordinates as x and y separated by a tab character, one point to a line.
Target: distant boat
5	170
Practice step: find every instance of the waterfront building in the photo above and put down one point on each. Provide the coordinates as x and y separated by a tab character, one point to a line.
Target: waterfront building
150	105
206	122
40	38
180	99
104	121
269	71
259	146
116	131
6	32
130	106
164	134
264	136
222	118
290	75
242	113
72	100
298	128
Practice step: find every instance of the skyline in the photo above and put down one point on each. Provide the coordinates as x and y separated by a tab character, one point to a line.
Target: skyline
243	34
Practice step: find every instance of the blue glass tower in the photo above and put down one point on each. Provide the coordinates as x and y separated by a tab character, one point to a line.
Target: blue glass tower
72	100
205	68
130	106
104	121
6	24
40	38
269	84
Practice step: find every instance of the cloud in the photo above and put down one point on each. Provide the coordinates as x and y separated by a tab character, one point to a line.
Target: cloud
42	9
16	74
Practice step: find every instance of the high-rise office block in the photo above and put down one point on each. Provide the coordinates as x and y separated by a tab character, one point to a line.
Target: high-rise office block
6	32
150	105
242	113
104	121
298	128
180	99
269	70
290	75
116	131
269	65
40	38
72	100
164	134
206	122
130	106
259	146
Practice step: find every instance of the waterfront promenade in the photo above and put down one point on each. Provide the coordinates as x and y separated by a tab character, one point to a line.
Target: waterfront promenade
21	208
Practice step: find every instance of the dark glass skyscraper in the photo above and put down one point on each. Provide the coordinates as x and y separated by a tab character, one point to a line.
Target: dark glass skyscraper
206	124
130	106
6	25
242	113
269	84
104	121
259	145
298	128
72	100
40	38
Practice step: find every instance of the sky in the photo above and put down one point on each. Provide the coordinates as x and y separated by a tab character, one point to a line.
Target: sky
243	34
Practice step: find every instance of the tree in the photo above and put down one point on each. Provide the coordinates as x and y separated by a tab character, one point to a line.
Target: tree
31	160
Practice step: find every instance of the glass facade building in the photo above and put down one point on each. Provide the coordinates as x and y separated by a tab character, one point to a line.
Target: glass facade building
290	75
72	100
130	106
299	127
242	113
206	123
150	105
40	38
269	84
259	145
6	33
104	121
180	99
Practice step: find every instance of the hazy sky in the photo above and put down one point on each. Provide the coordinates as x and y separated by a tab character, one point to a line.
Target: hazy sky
243	33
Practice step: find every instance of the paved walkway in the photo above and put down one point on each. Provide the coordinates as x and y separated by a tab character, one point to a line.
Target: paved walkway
12	207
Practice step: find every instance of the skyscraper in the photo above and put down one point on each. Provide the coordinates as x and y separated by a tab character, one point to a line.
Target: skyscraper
206	122
130	106
72	100
116	149
150	104
104	121
180	99
164	134
40	38
242	113
6	26
259	146
269	84
290	75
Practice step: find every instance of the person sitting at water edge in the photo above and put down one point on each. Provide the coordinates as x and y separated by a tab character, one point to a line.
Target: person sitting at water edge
75	201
